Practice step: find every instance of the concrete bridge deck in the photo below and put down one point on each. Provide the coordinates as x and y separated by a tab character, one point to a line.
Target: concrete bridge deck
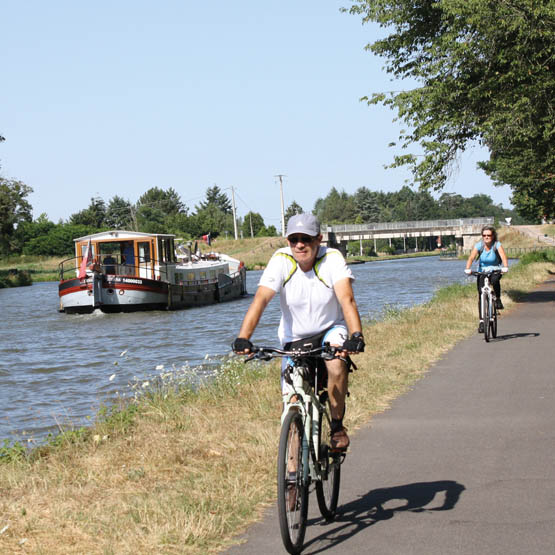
465	230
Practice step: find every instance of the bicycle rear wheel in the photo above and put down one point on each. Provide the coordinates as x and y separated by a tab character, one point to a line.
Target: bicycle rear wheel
327	488
494	321
292	489
487	318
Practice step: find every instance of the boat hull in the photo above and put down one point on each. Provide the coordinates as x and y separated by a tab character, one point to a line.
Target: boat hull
130	294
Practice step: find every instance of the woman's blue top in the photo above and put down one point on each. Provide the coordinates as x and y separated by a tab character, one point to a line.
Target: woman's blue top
489	260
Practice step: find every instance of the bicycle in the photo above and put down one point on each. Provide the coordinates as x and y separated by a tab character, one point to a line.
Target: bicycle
305	455
488	308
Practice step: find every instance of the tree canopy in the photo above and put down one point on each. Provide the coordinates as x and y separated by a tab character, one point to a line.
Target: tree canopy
14	210
93	216
486	75
406	204
215	197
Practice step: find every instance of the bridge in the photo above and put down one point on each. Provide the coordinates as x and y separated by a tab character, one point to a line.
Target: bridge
467	232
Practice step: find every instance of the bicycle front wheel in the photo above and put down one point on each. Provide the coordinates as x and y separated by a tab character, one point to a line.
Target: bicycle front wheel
487	318
494	321
292	488
327	488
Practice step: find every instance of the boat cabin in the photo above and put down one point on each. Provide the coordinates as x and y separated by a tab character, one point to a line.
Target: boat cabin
129	253
142	255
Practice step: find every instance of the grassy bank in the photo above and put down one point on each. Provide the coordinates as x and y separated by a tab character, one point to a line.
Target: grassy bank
38	268
183	472
14	278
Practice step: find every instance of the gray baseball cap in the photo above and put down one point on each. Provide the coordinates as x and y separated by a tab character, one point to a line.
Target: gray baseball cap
303	223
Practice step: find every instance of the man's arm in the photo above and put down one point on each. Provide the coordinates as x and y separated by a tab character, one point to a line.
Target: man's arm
261	299
344	292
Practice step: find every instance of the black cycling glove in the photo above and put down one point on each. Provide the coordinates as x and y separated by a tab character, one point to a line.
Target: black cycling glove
241	344
355	344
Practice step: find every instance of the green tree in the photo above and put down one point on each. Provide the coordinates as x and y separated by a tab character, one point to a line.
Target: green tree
215	197
59	241
337	207
155	207
93	216
209	220
119	214
252	224
28	230
14	210
269	231
485	70
292	210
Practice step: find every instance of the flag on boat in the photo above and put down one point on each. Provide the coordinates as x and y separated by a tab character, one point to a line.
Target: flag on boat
206	238
87	259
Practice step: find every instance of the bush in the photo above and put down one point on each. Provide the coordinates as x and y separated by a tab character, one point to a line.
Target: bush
353	248
547	255
58	241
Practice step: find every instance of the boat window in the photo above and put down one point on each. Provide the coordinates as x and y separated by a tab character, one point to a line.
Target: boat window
165	249
144	252
110	249
212	273
84	249
202	274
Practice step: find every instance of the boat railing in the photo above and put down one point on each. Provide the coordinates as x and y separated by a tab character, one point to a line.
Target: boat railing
116	265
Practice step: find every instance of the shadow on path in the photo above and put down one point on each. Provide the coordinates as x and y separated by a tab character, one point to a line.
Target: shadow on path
543	296
382	504
514	336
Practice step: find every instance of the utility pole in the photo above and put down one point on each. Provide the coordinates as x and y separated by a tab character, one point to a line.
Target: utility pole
133	218
234	216
281	176
250	218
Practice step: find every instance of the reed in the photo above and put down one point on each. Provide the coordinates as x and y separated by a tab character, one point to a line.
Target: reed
185	468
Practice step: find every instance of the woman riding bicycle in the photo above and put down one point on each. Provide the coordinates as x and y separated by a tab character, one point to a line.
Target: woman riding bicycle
491	257
317	305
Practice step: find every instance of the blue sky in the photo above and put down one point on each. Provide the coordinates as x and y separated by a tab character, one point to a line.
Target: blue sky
107	98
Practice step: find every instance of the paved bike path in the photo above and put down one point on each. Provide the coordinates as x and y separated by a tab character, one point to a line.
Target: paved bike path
464	463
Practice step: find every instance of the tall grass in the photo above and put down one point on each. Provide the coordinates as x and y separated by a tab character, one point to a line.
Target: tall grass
186	466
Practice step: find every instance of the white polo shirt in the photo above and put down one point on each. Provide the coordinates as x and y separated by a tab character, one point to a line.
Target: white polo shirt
308	301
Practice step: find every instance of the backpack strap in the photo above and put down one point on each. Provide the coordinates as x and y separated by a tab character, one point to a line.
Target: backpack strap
497	255
293	269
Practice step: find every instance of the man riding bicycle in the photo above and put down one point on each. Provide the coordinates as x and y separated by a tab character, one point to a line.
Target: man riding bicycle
317	307
491	255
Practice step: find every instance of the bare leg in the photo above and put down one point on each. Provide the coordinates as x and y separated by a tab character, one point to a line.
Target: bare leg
337	386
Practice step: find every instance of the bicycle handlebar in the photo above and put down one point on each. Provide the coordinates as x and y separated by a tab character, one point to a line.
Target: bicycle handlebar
326	352
476	273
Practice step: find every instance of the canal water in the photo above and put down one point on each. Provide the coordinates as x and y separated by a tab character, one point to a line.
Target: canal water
56	369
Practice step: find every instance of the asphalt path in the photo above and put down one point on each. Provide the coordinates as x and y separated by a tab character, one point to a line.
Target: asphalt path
463	463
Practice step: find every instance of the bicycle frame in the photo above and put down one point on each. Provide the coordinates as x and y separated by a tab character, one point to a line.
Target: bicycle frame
305	409
486	292
304	399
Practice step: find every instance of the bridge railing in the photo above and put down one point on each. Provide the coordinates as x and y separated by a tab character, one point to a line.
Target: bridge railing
423	224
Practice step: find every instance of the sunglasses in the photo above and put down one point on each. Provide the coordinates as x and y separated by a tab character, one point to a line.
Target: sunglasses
487	235
305	239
